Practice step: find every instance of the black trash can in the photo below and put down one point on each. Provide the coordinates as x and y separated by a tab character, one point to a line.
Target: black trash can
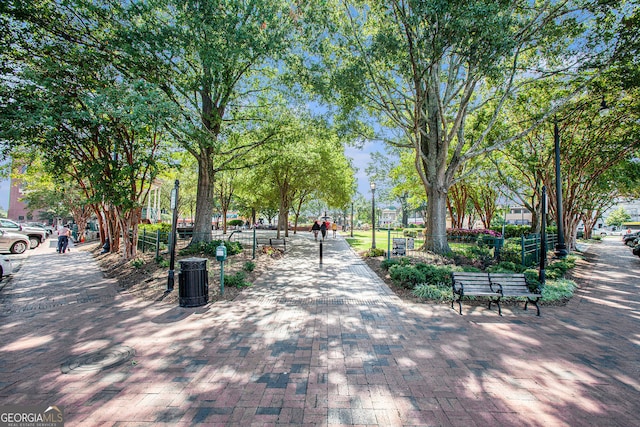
193	282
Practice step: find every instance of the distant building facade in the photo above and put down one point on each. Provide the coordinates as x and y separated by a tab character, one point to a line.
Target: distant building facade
19	210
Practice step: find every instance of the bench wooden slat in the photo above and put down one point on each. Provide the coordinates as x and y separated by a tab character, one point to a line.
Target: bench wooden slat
473	284
495	286
515	285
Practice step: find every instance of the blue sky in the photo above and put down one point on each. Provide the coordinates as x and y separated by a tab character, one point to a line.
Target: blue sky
4	194
360	158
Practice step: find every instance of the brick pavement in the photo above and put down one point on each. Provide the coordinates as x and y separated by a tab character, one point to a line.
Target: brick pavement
314	344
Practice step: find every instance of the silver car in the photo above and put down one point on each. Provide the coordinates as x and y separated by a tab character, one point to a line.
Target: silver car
35	235
15	243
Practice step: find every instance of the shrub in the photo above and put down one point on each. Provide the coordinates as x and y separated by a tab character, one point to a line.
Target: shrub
235	223
514	230
531	276
483	256
511	251
463	234
249	266
388	263
164	263
435	275
557	269
209	248
410	233
433	292
558	290
374	252
152	228
406	276
236	280
137	263
505	267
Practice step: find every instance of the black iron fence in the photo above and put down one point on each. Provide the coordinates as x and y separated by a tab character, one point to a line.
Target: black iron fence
525	250
158	241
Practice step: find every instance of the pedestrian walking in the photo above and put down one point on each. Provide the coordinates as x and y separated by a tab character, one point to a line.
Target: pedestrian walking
323	229
334	228
64	233
315	228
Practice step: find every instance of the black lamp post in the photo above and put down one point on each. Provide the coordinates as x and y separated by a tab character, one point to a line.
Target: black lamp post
561	248
351	219
373	215
543	239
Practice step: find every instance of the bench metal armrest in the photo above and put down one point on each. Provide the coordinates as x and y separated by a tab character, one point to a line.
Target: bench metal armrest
498	285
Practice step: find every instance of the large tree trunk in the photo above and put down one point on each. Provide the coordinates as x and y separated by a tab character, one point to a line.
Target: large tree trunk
436	221
204	198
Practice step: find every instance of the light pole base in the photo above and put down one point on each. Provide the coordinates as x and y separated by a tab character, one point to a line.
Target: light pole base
561	251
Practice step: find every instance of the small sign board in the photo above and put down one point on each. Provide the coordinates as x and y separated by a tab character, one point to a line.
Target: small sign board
410	243
173	198
399	246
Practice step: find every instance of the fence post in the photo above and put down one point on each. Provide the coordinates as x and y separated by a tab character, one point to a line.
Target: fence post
253	256
522	249
144	239
157	243
389	242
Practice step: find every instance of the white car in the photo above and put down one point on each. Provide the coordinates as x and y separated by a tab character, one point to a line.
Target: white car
608	232
6	268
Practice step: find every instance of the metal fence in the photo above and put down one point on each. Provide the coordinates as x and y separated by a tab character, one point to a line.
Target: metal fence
408	243
531	247
159	241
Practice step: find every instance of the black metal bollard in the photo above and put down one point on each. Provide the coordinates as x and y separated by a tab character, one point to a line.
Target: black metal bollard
320	252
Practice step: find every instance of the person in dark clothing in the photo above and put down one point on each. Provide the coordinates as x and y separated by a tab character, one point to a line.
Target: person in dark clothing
323	229
315	228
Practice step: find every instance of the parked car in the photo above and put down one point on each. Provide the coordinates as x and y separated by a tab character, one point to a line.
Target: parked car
608	232
47	228
6	268
35	235
629	239
15	243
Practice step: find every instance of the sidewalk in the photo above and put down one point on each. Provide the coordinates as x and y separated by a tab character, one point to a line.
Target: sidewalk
315	344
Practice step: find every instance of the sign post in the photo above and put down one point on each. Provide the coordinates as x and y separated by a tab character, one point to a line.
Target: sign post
172	236
221	255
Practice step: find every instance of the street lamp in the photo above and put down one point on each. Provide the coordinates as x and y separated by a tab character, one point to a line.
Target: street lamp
373	215
351	219
561	248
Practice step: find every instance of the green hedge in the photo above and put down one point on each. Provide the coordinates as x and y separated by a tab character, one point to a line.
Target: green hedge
209	248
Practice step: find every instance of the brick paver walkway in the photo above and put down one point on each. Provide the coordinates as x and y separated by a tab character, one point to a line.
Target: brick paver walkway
315	344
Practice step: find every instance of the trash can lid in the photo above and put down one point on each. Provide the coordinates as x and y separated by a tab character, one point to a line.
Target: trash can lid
193	260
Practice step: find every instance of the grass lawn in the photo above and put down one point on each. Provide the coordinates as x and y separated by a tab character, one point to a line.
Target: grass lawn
361	240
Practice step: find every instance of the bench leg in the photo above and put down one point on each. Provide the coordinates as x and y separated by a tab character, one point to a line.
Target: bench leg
535	302
497	301
458	301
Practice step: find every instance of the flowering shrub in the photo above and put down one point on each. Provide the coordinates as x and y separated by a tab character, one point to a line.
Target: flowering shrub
472	234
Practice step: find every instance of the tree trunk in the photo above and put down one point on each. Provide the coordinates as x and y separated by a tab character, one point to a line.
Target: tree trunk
436	221
204	198
112	230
